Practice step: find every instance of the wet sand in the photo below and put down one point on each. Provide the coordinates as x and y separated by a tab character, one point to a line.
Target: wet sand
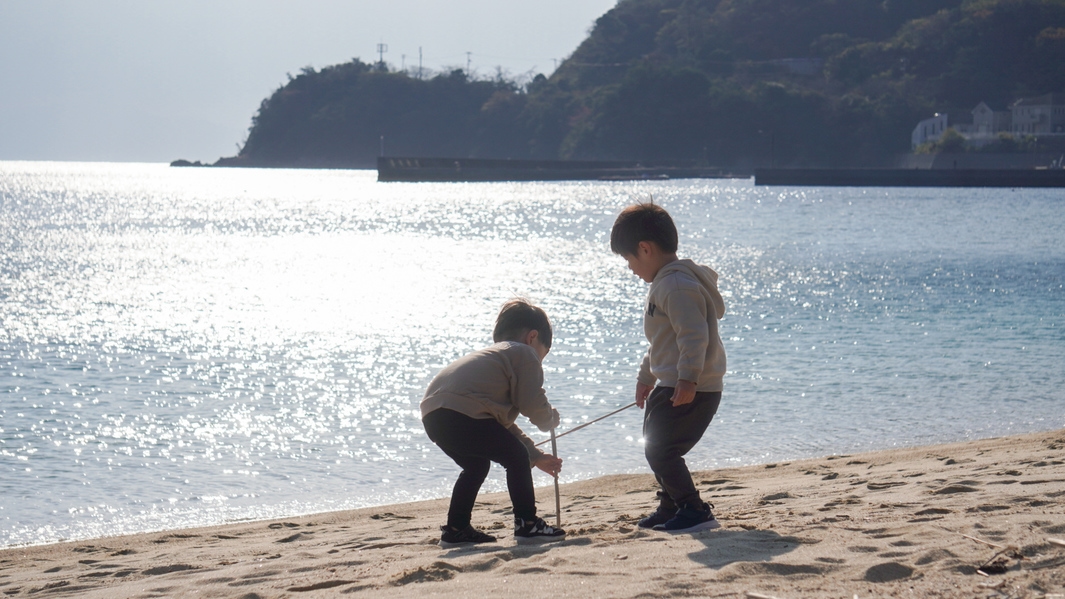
975	519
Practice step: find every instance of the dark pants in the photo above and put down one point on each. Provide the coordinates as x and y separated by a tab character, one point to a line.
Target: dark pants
475	443
669	433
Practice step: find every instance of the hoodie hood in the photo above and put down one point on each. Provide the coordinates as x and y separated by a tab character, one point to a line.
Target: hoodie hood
704	274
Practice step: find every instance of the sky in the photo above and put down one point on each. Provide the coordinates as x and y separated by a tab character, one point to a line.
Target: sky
155	81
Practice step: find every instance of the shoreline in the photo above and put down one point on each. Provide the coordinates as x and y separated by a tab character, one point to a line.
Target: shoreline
920	520
280	515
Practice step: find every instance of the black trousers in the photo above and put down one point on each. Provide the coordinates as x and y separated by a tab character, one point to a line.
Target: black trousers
671	432
475	443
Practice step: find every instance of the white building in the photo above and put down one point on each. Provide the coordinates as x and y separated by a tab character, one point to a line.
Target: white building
989	123
929	129
1044	115
1040	116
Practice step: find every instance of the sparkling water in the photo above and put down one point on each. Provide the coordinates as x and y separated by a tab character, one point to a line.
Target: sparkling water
185	347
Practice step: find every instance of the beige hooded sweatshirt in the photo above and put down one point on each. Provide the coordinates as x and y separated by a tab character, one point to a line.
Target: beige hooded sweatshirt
499	382
680	321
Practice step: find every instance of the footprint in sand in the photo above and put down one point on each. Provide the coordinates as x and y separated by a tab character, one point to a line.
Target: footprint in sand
318	586
850	500
295	537
884	485
172	537
933	510
952	489
167	569
89	549
987	508
715	482
775	569
863	549
888	572
437	571
935	555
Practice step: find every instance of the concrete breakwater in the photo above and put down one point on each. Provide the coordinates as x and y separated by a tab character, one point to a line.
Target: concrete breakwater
480	169
910	177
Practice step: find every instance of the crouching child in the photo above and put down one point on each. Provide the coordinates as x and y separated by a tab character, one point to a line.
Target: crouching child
469	411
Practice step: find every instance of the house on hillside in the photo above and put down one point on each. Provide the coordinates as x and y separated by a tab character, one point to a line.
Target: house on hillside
929	129
1044	115
988	122
1040	116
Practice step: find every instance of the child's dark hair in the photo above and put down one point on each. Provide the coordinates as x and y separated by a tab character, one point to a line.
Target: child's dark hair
518	316
643	222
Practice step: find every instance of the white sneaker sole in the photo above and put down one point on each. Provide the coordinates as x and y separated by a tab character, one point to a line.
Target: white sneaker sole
708	525
447	545
538	540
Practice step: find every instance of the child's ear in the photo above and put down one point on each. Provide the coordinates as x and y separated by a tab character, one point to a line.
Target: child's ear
644	248
531	336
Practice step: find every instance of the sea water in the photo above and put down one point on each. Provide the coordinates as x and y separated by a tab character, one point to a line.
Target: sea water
185	347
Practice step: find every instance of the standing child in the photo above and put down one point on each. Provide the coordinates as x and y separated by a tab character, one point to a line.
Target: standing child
469	411
685	357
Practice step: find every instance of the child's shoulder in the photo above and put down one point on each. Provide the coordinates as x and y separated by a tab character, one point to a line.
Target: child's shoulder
504	354
512	349
676	279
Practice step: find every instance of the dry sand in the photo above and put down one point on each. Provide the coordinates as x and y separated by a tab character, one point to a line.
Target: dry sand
916	522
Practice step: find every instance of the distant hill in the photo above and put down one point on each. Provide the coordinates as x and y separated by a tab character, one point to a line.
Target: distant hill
721	82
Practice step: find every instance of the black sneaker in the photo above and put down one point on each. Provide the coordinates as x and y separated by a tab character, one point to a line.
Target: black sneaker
536	531
690	519
660	516
453	537
665	512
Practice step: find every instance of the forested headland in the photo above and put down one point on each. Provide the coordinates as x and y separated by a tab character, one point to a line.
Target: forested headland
731	83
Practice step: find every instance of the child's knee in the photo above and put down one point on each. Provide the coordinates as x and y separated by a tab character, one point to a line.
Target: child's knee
478	470
656	454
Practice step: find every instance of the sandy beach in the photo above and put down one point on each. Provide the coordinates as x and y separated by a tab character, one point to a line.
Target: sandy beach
974	519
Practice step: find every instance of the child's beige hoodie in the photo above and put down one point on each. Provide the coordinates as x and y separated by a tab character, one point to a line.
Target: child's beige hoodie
680	321
499	382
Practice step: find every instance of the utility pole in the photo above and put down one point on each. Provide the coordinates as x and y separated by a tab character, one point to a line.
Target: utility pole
381	49
402	62
468	54
419	62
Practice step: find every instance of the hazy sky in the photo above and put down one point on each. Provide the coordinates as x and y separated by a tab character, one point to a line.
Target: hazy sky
156	80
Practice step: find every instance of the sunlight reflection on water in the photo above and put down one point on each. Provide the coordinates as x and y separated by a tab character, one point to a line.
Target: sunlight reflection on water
182	347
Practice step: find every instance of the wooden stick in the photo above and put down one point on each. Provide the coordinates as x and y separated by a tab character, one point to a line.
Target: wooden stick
558	499
1057	542
983	541
577	428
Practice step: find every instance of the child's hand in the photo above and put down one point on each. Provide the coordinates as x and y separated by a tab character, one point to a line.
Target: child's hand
549	464
683	393
642	392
